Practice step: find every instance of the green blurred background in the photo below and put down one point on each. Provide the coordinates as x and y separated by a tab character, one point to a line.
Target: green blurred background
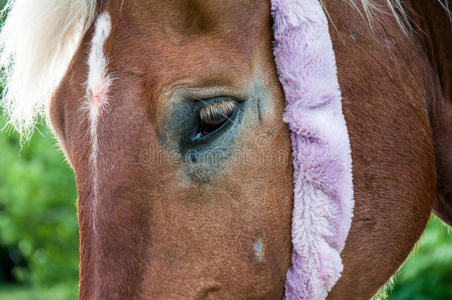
39	236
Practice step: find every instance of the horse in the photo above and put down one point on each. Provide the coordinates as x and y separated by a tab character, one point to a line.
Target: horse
126	84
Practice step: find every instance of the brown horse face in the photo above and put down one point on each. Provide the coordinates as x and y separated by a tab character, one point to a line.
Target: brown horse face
184	174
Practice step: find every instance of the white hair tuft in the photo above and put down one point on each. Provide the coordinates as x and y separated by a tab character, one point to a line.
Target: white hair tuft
37	42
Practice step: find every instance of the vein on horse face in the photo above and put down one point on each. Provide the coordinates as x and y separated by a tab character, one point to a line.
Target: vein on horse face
97	87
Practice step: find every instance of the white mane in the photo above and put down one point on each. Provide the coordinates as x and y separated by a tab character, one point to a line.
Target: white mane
37	43
39	39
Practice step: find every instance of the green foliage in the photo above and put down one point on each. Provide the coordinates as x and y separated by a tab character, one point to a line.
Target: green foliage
427	273
37	208
59	292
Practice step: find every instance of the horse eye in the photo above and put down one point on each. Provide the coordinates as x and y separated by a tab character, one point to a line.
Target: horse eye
214	116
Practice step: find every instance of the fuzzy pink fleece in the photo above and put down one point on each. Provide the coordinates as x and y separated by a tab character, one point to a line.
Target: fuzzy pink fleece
323	192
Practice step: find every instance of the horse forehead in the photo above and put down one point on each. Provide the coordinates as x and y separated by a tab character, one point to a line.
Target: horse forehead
196	17
221	41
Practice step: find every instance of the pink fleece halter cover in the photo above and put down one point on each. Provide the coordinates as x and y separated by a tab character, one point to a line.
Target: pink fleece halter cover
323	187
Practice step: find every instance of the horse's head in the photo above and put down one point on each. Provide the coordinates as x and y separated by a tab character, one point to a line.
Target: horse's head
171	115
182	160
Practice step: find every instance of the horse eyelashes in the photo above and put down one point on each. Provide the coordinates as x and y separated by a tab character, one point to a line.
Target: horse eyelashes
217	111
214	115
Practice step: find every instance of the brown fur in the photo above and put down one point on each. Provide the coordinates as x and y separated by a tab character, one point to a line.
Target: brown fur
167	232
